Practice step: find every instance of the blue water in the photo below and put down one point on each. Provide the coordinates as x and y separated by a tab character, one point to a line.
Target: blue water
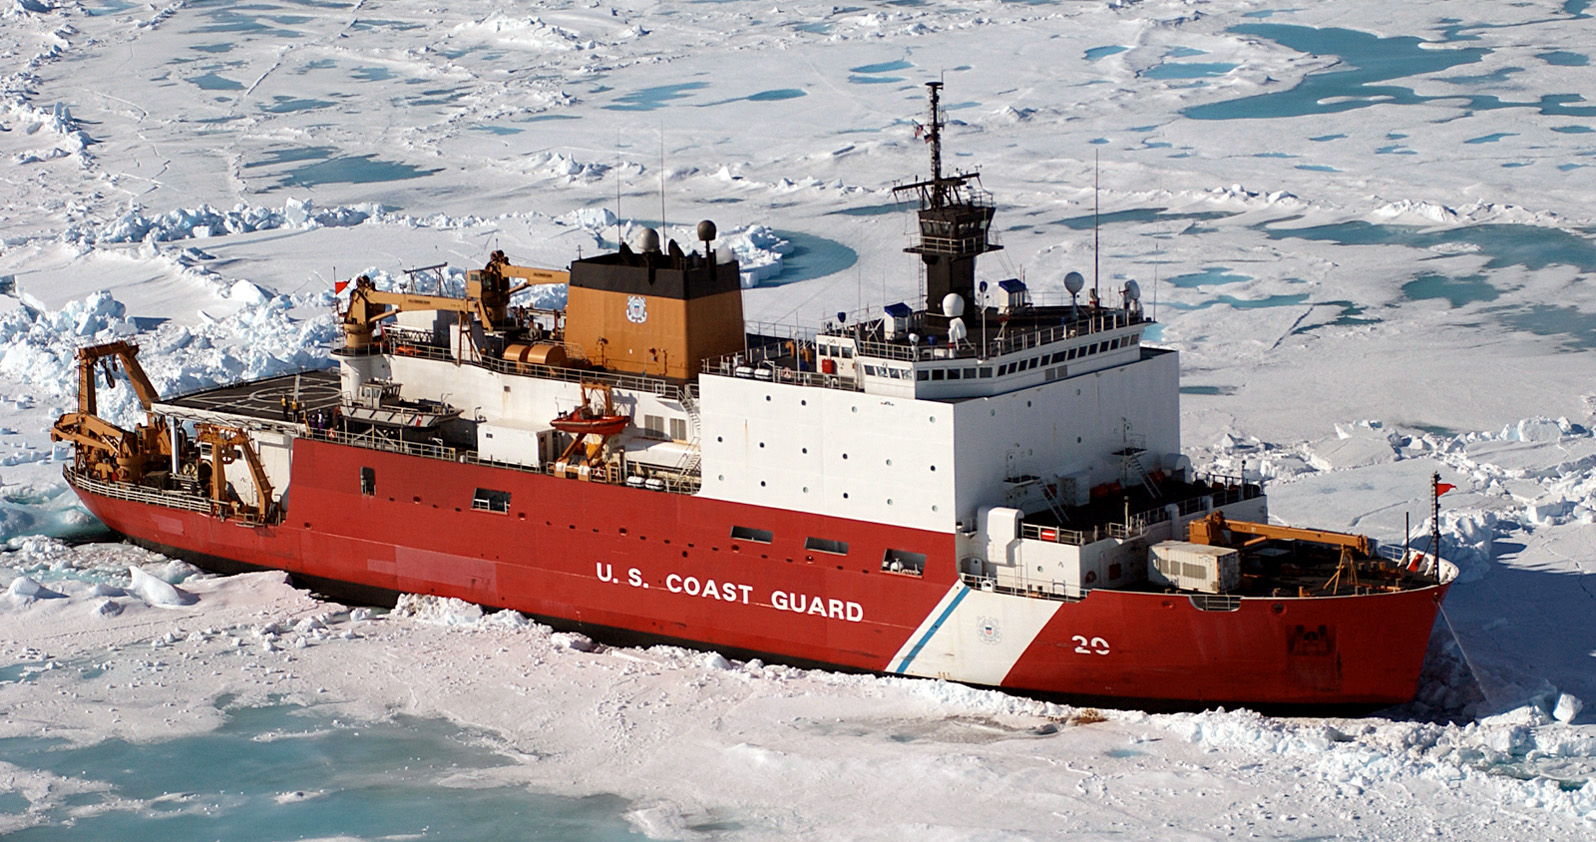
1209	276
214	82
1457	292
1372	60
1490	138
1188	70
1096	53
1530	246
878	210
1244	303
497	130
1084	223
328	167
371	74
811	257
1351	314
1317	168
650	99
1573	129
813	28
223	47
884	67
246	19
1564	58
873	80
777	94
283	772
287	105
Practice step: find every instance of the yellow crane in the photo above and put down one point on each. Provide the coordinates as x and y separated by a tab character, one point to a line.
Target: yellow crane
487	296
105	450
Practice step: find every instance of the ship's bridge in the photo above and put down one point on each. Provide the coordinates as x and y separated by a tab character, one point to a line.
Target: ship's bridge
920	354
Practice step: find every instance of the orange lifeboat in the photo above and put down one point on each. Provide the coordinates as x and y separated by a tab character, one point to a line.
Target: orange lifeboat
584	421
588	419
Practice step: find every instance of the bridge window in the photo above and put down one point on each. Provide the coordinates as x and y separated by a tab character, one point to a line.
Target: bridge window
488	500
679	429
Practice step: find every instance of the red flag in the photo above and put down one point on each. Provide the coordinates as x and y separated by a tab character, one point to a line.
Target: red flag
1443	487
338	287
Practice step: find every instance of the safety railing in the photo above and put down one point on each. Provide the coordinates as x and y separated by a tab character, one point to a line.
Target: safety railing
138	493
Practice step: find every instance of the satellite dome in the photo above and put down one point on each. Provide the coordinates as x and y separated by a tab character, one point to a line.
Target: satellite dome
1074	282
706	230
1133	291
953	305
647	240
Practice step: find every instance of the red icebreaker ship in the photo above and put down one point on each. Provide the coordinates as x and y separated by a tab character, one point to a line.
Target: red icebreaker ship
981	487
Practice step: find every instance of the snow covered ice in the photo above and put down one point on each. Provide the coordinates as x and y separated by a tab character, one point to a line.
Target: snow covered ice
1365	226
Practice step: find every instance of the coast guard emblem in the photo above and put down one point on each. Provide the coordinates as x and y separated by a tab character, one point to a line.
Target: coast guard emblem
636	309
987	629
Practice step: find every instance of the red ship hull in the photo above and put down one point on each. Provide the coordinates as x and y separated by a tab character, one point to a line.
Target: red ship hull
670	569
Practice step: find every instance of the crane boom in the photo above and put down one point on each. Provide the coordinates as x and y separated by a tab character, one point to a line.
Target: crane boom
1212	529
127	353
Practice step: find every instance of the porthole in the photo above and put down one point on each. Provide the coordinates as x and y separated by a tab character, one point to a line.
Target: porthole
889	501
1077	439
845	456
806	450
853	409
844	495
719	439
761	483
889	463
933	467
803	403
720	477
761	445
767	398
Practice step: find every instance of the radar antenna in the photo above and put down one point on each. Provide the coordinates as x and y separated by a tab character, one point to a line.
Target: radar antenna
955	217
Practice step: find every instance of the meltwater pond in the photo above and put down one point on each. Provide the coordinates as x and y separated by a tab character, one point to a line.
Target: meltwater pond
284	772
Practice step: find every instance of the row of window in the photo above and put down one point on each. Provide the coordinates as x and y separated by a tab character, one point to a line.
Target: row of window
1064	356
894	560
984	372
654	427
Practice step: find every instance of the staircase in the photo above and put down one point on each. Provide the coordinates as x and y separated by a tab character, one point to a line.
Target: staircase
691	461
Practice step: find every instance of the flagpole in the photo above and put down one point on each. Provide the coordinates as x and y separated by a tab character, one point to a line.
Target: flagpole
1435	519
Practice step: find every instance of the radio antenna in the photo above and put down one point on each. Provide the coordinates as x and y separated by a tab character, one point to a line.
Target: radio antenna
662	236
1096	188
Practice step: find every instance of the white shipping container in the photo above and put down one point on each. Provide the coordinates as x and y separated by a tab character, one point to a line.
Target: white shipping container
1194	567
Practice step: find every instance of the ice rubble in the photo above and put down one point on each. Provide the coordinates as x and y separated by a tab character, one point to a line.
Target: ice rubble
134	225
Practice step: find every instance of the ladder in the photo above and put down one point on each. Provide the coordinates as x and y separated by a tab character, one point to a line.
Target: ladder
691	461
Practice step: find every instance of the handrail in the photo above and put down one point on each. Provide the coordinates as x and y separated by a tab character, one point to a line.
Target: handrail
631	382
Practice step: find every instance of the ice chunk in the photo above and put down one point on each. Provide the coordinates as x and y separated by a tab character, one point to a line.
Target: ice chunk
24	587
572	640
156	592
1568	706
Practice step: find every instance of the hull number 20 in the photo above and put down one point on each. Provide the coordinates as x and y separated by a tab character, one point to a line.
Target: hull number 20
1092	646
